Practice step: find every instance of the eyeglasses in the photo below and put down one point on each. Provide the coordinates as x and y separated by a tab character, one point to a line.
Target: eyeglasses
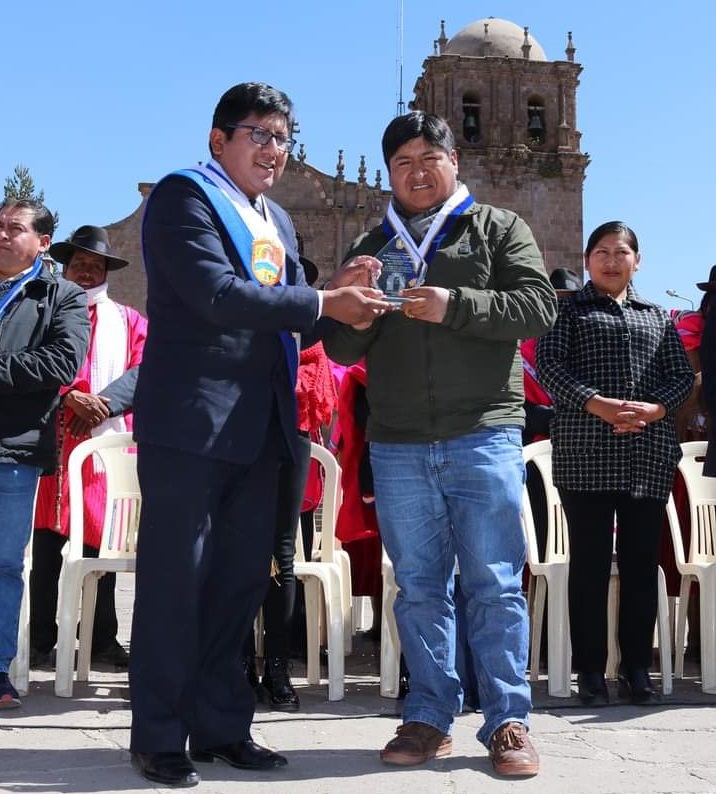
262	136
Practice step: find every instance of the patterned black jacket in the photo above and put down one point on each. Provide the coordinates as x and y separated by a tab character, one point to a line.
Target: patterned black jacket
630	352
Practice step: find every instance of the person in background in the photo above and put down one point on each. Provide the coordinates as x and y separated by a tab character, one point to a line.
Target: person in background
214	421
617	372
43	341
539	409
445	445
692	423
98	401
315	402
707	358
691	417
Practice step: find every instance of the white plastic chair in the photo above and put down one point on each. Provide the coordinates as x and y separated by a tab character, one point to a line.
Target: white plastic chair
551	574
700	565
328	511
323	577
79	576
389	639
549	579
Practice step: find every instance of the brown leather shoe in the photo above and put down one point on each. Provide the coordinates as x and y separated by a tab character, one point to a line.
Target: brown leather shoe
512	751
415	743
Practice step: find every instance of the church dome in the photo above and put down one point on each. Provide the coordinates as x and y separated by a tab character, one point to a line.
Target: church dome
493	37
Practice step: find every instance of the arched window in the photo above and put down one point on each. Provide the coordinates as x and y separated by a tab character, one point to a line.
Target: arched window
471	118
536	130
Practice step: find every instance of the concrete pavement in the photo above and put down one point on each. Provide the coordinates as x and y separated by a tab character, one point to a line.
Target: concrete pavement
81	744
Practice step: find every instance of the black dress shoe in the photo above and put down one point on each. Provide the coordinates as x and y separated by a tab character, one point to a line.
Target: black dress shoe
252	677
44	660
592	689
242	755
636	686
169	769
114	655
279	690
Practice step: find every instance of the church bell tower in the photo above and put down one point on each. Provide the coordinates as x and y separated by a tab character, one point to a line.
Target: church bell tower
514	116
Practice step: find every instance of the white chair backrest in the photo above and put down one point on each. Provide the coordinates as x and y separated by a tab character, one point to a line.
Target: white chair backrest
702	502
117	454
557	549
325	539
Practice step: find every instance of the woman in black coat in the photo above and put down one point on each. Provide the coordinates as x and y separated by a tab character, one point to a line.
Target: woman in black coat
617	371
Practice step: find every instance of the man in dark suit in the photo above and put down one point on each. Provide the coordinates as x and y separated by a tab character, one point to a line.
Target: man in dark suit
214	419
707	356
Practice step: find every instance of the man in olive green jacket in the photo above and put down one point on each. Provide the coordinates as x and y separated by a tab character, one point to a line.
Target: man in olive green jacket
445	388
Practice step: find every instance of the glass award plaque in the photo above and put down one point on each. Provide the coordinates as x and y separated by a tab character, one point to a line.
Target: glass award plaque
398	270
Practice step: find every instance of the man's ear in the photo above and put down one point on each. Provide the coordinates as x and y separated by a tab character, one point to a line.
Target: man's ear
217	140
45	242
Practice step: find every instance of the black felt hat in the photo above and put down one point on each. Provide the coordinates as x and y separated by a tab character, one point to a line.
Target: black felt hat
310	269
710	285
93	239
565	280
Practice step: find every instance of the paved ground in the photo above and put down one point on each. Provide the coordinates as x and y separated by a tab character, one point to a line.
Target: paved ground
80	745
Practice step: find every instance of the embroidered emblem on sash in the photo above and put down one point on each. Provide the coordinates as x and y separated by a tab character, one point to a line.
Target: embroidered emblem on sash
267	261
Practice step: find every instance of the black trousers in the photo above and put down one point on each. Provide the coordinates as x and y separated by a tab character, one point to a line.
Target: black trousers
281	597
590	518
46	565
205	540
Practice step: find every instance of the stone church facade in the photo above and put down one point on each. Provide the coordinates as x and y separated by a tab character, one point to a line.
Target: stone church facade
513	113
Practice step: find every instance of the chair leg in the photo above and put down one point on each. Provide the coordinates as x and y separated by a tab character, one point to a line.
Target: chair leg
89	602
707	592
312	593
68	614
343	561
664	632
536	622
335	640
559	654
680	642
20	666
613	654
389	640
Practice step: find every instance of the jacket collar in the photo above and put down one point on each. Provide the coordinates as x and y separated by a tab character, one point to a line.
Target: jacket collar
588	294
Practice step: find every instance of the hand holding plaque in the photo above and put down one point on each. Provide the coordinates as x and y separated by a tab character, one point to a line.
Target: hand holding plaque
398	270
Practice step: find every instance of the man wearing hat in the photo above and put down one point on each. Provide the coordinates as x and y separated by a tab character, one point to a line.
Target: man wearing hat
98	401
45	333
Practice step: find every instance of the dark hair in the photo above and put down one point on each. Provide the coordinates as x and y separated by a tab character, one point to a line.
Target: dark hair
244	99
42	220
612	227
417	124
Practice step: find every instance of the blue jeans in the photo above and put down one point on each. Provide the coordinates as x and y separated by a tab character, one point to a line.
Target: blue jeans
460	497
18	484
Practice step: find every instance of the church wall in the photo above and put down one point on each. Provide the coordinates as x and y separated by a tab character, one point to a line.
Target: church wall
542	182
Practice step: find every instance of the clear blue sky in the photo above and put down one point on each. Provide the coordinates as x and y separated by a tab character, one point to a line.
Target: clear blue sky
101	96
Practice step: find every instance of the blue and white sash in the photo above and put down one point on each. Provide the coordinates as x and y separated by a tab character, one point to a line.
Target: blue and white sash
442	223
242	238
11	291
